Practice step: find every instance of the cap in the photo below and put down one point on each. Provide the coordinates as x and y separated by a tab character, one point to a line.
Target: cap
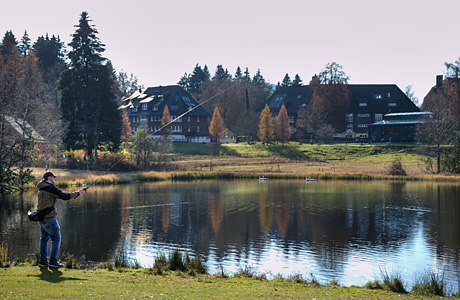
48	174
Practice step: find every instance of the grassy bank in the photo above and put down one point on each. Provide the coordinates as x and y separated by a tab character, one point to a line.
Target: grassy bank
292	161
31	282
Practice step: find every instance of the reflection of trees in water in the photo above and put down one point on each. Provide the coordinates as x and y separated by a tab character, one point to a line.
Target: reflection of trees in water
444	226
225	219
91	224
20	235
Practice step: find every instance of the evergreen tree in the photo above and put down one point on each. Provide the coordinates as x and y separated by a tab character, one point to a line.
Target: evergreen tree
238	73
286	81
247	76
266	126
221	74
192	82
50	52
9	46
89	93
217	127
24	45
283	129
297	81
258	78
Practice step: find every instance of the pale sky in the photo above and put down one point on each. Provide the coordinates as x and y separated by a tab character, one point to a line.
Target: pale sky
376	41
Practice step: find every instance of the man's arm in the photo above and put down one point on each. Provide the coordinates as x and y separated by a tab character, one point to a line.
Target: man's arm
62	195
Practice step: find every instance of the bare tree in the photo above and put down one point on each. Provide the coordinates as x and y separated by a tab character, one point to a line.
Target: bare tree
439	130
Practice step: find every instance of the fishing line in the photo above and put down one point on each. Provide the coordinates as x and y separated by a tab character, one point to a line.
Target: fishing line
162	127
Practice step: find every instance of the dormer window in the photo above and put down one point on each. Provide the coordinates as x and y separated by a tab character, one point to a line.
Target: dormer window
362	103
392	104
144	106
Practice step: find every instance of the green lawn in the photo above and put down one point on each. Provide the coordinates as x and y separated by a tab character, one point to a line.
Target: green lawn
27	282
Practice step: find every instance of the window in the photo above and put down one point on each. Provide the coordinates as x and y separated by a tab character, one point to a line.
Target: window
176	98
151	119
392	104
144	106
362	125
349	118
198	119
378	117
363	115
134	109
188	129
362	104
155	108
174	107
304	104
198	128
188	118
349	126
291	118
389	95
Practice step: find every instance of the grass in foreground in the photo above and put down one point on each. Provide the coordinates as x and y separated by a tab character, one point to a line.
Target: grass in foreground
31	282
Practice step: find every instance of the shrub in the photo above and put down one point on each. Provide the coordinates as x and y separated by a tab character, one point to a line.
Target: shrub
176	262
195	265
71	262
246	271
430	284
396	168
160	265
392	282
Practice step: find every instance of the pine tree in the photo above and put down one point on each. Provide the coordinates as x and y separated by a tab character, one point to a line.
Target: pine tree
238	73
9	46
286	81
246	75
297	81
283	129
217	127
221	74
24	45
266	126
89	93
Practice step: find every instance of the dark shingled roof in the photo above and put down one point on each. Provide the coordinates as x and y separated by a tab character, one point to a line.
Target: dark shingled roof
376	96
172	95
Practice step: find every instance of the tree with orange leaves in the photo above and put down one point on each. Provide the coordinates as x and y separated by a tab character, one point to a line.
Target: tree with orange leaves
283	129
217	125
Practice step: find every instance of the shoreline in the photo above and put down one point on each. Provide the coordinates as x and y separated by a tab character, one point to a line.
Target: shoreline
68	177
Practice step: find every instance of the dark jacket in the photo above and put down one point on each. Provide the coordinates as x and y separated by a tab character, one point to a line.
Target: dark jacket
48	195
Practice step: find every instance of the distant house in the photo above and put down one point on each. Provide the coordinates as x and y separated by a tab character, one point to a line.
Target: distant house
398	127
145	108
368	104
228	136
21	128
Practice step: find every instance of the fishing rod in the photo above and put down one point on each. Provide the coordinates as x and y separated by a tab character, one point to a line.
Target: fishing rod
172	121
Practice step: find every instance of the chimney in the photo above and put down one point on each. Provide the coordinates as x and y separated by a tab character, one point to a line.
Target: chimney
439	81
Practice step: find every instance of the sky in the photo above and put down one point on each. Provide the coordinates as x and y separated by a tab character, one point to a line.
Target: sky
402	42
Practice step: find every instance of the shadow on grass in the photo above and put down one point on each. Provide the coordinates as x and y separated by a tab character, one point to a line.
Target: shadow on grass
286	152
53	275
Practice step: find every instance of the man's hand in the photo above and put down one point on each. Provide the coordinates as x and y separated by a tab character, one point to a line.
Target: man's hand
82	191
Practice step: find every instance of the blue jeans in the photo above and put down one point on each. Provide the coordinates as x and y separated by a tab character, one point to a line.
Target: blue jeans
50	230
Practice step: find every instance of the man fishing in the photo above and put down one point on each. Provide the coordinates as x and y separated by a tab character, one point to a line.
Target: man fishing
47	197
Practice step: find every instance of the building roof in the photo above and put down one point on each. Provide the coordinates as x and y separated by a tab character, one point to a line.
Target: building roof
19	124
178	100
292	97
378	98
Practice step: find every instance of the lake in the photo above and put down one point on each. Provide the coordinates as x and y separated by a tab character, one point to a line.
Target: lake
349	231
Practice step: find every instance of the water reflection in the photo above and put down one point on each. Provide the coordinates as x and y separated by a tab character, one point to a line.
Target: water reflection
345	231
